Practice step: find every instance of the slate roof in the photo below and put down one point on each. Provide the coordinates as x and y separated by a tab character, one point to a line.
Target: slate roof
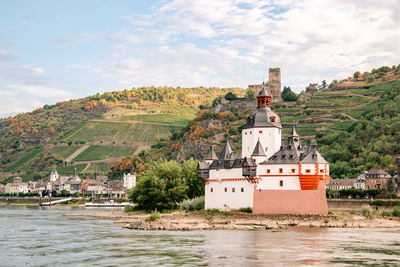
262	118
202	166
211	154
258	150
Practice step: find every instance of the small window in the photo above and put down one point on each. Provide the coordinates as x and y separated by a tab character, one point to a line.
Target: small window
293	170
280	183
233	190
245	133
242	189
212	190
308	171
260	132
226	189
268	171
250	132
321	171
272	119
280	170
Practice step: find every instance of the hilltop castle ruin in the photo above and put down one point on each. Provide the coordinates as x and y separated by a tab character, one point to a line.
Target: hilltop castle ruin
273	86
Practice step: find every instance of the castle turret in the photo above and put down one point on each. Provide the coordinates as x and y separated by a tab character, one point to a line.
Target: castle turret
258	154
263	125
211	156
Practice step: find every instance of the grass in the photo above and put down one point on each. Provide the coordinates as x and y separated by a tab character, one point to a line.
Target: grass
62	152
367	212
70	169
121	131
104	152
155	215
22	160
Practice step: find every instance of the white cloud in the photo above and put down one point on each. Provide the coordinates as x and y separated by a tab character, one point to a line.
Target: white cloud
234	42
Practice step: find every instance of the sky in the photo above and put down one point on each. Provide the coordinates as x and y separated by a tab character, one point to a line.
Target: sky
52	51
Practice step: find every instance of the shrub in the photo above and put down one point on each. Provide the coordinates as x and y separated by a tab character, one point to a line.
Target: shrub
247	210
396	211
128	208
154	216
196	203
367	211
385	213
353	212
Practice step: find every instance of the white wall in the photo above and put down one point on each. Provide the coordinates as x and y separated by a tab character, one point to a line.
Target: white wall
219	199
270	139
273	183
226	173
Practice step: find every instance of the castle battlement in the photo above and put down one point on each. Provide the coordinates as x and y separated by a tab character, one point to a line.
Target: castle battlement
273	86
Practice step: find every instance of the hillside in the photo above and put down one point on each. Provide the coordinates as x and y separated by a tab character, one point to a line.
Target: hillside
96	131
357	128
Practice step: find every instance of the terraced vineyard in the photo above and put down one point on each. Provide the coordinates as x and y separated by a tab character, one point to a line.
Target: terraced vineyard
69	170
328	110
62	152
104	152
120	131
24	160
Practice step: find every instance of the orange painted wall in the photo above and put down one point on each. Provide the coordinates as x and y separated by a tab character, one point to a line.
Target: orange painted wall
291	201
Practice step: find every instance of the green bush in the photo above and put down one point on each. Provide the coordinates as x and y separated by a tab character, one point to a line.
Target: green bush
367	212
128	208
246	210
385	213
196	203
154	216
396	211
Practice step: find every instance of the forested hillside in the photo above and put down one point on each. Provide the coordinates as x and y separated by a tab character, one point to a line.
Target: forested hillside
98	130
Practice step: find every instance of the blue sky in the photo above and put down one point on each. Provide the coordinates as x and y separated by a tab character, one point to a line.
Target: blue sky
57	50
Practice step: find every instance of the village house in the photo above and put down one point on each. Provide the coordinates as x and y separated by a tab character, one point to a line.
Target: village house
2	188
339	184
377	178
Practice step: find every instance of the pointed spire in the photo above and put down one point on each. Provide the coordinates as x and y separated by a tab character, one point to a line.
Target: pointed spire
226	152
293	133
313	145
75	172
258	150
211	154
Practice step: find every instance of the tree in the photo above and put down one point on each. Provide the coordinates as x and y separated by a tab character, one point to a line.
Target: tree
288	94
231	96
250	95
194	184
160	188
356	75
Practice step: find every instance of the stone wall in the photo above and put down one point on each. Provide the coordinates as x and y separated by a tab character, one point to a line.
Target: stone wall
291	201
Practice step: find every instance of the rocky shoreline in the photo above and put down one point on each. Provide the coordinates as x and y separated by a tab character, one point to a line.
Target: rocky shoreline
188	221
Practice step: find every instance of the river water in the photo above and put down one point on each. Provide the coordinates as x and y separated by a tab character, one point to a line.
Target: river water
43	236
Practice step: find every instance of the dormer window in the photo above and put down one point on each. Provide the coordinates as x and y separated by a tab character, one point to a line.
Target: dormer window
291	156
283	156
272	118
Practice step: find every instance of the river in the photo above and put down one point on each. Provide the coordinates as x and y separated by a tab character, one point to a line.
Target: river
40	236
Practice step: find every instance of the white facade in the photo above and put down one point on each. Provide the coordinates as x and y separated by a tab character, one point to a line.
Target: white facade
270	139
54	176
129	181
226	195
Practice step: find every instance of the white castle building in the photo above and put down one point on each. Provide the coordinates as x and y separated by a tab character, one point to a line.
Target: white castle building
266	176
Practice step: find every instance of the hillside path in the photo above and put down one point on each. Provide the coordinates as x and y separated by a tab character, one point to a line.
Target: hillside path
76	153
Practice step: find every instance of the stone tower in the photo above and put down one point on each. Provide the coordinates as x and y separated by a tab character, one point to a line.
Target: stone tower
274	82
273	86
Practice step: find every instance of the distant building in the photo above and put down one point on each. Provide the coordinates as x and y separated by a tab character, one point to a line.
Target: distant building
17	180
115	188
129	181
340	184
54	175
359	182
2	188
273	86
14	188
377	178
